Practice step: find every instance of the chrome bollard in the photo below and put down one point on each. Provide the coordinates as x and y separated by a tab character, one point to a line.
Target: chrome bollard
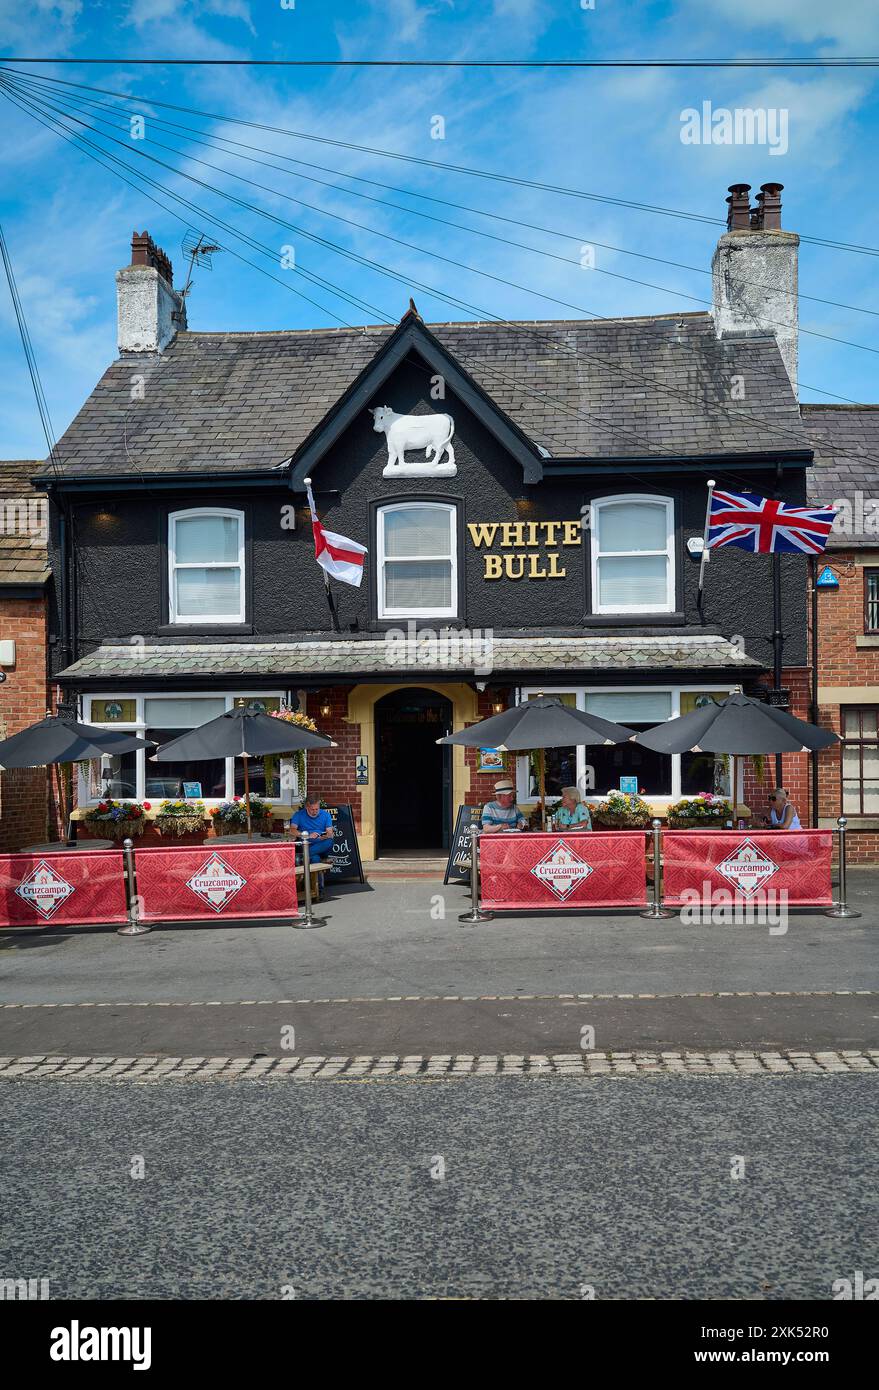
475	914
840	908
133	927
307	918
655	912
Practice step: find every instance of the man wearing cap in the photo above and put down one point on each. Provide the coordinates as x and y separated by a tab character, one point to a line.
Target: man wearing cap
503	813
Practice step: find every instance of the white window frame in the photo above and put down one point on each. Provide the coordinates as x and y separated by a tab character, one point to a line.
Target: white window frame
290	793
660	801
385	612
621	499
213	619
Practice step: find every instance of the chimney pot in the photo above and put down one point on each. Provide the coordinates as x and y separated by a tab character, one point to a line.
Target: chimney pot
150	310
144	251
738	213
770	199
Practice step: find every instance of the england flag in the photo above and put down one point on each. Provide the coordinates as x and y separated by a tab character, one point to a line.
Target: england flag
765	526
339	557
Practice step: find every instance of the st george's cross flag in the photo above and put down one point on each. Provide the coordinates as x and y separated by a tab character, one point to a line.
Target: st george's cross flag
765	526
339	557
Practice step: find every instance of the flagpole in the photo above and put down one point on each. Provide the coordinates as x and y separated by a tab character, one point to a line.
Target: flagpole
705	554
332	607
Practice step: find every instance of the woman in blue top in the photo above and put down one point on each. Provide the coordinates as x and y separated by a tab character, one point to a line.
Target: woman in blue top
571	812
783	815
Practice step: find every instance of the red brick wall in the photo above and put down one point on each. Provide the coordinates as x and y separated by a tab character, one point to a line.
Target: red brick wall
795	767
841	662
23	700
332	770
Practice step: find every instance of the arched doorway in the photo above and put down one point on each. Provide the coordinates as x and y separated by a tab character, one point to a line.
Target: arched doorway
414	773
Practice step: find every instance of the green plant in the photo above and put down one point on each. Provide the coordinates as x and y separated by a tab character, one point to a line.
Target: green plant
758	762
703	809
622	810
119	819
291	716
181	817
234	813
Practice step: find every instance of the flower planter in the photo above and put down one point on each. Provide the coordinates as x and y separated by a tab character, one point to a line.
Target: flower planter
259	827
615	823
697	822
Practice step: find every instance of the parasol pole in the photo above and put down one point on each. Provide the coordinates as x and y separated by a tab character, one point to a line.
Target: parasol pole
542	773
247	796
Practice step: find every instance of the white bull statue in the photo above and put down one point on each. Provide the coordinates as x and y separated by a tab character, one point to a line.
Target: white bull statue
432	433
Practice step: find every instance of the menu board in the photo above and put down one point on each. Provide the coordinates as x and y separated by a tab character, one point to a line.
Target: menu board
344	858
458	866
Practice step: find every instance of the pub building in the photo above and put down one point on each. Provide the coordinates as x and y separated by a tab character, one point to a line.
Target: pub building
546	538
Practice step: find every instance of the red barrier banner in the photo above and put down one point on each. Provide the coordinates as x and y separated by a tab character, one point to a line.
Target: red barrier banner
587	869
227	882
743	866
69	889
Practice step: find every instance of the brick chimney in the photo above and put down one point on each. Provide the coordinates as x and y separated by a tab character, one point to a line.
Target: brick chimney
150	311
754	273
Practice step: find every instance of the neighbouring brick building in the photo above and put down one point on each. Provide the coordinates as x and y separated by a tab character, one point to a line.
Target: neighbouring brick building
24	575
846	472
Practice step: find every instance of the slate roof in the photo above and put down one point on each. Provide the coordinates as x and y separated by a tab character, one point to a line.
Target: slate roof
23	513
229	402
341	657
846	443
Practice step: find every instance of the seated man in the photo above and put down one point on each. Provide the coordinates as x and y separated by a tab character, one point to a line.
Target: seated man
315	825
503	813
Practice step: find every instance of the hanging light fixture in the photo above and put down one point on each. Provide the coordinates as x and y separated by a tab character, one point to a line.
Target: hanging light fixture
325	708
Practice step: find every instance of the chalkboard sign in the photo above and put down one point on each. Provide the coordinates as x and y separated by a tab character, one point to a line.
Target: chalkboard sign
344	858
458	866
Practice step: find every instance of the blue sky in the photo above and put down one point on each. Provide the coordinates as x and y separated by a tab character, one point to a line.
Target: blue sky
68	221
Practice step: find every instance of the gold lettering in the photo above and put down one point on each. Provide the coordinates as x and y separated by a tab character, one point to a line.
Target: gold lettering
493	567
533	571
573	533
549	530
513	533
554	571
515	566
482	533
532	533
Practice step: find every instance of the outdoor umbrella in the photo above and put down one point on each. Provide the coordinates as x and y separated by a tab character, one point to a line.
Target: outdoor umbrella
57	739
736	725
240	733
537	724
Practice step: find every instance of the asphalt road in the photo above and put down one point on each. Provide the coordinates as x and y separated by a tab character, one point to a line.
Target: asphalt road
481	1026
549	1186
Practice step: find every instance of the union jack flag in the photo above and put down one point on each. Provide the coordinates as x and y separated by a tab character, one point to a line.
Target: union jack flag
762	525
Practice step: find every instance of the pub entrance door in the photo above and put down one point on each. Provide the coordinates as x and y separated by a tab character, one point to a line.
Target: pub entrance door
413	788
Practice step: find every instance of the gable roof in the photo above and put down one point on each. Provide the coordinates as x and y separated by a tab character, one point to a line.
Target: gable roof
613	388
845	439
23	537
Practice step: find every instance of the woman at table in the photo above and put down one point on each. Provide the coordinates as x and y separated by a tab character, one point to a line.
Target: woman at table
572	813
783	813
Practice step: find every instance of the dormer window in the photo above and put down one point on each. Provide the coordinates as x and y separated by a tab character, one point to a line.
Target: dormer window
633	568
206	566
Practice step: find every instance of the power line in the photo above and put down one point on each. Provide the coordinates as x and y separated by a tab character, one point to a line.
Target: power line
455	168
219	142
483	313
601	425
515	63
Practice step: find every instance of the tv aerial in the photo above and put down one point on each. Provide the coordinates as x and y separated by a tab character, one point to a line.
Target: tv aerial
198	251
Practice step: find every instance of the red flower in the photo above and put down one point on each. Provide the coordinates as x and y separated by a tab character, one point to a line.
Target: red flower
236	798
134	812
147	805
103	807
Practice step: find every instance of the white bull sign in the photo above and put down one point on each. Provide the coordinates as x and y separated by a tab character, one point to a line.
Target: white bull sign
432	433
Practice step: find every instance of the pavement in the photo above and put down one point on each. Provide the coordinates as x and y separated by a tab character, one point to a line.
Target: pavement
489	1188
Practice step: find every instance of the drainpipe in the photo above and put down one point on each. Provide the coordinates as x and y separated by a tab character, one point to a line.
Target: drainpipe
813	707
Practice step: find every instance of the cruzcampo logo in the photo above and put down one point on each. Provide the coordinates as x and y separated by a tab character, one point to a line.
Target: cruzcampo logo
44	889
561	869
215	883
747	868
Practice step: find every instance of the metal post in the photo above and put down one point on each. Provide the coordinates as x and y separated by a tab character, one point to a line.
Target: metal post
133	926
307	918
656	911
840	909
475	914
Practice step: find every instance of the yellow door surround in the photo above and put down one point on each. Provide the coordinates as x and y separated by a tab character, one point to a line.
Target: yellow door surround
361	710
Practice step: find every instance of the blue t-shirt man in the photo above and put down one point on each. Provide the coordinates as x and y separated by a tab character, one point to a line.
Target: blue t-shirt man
318	825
